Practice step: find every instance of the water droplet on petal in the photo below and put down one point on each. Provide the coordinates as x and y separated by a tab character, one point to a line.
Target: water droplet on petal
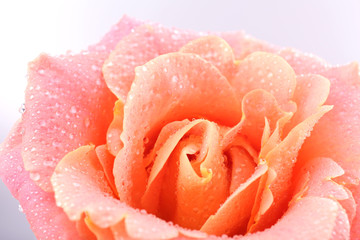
22	108
35	176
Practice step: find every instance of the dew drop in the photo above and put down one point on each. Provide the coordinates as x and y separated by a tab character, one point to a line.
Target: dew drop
20	208
35	176
146	140
73	109
41	71
174	79
87	122
22	108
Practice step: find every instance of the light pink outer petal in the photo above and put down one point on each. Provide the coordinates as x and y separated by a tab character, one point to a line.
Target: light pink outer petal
310	218
46	219
67	105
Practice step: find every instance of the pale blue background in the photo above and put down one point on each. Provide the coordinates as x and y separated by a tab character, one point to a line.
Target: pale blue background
327	28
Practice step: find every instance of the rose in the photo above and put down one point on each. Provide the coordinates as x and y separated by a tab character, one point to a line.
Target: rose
211	140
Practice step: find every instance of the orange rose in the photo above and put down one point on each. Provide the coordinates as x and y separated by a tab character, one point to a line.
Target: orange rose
203	135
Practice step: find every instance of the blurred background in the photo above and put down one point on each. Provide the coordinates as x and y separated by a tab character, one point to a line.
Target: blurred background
329	29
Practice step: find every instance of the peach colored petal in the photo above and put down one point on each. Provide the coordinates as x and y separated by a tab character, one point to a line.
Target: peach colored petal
309	218
256	106
199	196
244	44
83	229
215	50
143	44
266	71
107	162
81	187
320	183
47	221
232	217
168	138
114	131
311	92
281	160
100	233
242	167
67	97
164	96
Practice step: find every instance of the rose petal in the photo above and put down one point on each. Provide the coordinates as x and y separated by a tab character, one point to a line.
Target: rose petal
341	123
215	50
143	44
242	167
311	92
232	217
169	137
100	233
200	195
107	162
266	71
45	218
256	106
244	44
282	159
81	187
309	218
320	183
67	97
115	129
164	96
303	63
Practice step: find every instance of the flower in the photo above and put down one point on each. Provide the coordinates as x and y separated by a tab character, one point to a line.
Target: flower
200	135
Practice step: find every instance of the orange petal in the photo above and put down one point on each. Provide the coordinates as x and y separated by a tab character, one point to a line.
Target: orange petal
199	196
81	187
215	50
168	138
256	106
311	92
282	159
242	166
265	71
107	162
232	217
114	131
100	233
162	97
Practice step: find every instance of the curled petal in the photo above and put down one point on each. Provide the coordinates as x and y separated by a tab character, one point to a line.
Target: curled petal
215	50
265	71
281	160
81	187
162	97
232	217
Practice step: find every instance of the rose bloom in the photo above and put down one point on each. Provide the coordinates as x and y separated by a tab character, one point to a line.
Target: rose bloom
160	133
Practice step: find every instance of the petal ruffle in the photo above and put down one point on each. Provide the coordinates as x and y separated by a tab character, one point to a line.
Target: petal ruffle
162	97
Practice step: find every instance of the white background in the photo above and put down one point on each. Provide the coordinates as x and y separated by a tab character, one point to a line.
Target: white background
330	29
